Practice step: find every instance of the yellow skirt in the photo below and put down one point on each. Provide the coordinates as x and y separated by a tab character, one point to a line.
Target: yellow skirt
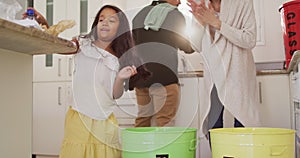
88	138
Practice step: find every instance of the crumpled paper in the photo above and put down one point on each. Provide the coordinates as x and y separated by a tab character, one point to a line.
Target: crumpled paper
60	27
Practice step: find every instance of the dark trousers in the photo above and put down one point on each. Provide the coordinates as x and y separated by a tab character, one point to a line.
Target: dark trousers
216	113
219	123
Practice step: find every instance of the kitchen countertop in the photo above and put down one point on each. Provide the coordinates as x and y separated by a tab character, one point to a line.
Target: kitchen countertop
271	72
190	74
293	65
21	39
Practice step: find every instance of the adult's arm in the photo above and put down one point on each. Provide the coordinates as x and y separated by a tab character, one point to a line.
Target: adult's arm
244	37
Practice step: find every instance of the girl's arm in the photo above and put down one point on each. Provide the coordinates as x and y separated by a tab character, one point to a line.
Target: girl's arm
123	74
76	43
42	20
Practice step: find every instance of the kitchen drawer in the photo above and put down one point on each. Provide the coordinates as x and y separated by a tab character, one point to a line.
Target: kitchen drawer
126	111
126	101
126	123
128	95
128	98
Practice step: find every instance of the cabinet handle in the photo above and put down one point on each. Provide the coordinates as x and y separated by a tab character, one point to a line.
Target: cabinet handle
59	67
59	96
260	93
181	84
70	67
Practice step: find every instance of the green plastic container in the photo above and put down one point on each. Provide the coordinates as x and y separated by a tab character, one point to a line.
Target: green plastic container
252	143
159	142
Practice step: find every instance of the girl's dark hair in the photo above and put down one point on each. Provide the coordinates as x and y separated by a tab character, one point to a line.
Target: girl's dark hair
122	45
123	40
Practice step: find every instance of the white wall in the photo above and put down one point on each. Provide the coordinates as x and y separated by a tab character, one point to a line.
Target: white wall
273	49
133	6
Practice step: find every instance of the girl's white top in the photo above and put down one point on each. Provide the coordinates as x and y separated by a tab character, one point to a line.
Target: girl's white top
93	79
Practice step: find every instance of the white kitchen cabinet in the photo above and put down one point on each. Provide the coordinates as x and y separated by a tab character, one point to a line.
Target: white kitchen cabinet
295	85
16	83
52	75
274	98
47	68
56	67
187	114
50	104
126	111
294	71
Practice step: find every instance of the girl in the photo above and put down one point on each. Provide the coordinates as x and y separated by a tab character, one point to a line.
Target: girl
103	62
91	129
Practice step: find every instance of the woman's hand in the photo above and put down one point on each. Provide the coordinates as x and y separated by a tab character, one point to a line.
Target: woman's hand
208	15
204	15
195	8
38	16
127	72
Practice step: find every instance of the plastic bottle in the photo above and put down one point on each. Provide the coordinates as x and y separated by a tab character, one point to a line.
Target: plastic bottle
30	14
30	20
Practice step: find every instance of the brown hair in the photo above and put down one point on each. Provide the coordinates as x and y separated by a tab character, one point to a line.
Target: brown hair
123	40
122	45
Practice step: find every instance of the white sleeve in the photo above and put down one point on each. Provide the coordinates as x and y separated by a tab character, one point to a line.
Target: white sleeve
197	33
245	36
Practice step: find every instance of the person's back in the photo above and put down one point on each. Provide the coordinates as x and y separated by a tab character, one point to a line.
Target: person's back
159	50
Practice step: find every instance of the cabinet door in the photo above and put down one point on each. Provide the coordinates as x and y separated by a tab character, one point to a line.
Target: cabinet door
49	108
274	98
187	114
69	67
127	109
55	67
52	67
49	68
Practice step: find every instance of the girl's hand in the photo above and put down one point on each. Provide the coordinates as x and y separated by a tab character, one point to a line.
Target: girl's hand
123	74
127	72
38	16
